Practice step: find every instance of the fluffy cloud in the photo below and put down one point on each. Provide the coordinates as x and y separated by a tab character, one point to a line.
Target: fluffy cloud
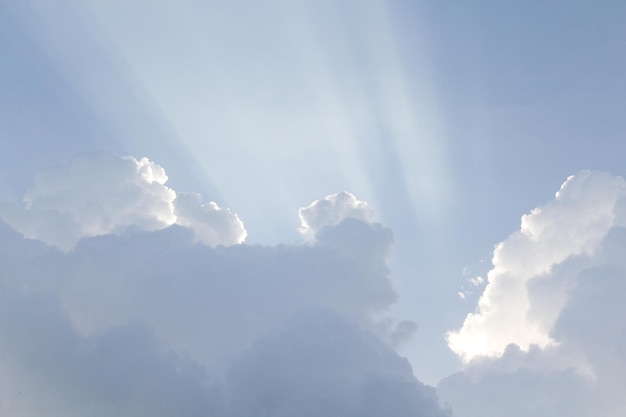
548	336
331	210
101	194
147	321
211	224
574	223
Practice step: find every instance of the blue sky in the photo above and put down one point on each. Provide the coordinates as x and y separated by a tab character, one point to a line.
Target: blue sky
451	120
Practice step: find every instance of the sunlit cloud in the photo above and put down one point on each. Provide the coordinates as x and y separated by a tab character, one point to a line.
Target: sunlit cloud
574	223
102	194
549	316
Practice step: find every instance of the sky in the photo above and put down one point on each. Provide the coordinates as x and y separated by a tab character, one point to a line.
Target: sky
312	207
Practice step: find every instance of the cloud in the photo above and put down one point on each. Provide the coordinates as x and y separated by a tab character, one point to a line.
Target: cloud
99	194
564	350
519	393
49	369
320	364
574	223
192	295
315	363
331	210
211	224
140	320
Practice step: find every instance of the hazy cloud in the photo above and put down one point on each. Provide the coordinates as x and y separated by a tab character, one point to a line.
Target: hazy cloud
318	363
49	369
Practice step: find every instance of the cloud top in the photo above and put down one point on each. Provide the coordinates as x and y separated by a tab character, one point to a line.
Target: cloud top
585	208
331	210
548	337
99	194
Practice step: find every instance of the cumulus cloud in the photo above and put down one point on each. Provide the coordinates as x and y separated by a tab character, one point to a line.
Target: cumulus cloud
574	223
211	224
101	194
141	320
331	210
548	336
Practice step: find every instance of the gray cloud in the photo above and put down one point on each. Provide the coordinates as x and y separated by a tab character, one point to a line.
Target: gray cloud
49	369
185	290
320	364
153	322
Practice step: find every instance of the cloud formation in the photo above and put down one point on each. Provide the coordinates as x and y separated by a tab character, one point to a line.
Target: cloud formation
331	210
145	320
574	223
548	336
99	194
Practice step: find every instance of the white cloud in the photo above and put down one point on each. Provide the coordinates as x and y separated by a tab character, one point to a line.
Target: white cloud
553	340
100	194
211	224
574	223
331	210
